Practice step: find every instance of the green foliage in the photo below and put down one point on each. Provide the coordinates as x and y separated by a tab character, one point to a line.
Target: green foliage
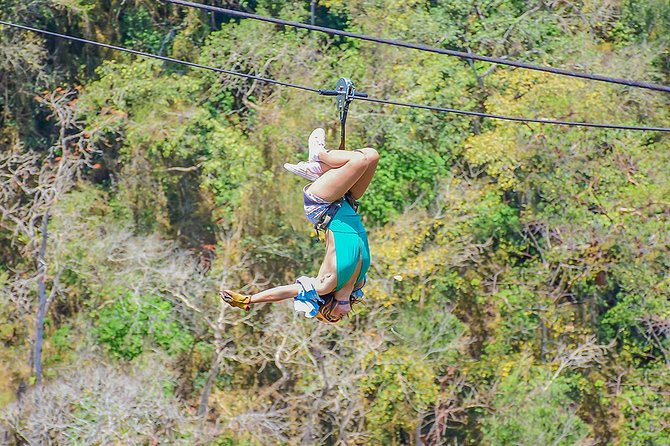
406	177
165	130
527	413
132	323
645	407
62	340
495	219
635	320
519	320
139	31
398	385
498	248
432	333
643	21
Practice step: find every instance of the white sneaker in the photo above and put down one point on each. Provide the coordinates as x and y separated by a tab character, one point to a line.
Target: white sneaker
317	144
307	169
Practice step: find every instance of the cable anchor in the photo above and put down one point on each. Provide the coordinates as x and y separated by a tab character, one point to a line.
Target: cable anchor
345	92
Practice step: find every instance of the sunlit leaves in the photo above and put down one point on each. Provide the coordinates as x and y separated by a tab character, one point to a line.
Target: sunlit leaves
497	247
525	411
126	325
398	385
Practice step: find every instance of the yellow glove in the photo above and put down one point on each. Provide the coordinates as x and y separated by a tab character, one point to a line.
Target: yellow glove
235	299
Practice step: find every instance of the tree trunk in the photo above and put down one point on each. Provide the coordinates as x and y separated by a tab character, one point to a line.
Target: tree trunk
42	296
204	399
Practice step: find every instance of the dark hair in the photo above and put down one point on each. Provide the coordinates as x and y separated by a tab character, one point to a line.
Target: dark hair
329	303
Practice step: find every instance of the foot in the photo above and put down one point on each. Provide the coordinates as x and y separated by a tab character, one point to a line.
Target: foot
317	144
235	299
310	169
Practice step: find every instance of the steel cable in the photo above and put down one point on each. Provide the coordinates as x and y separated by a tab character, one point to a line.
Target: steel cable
316	90
156	56
513	118
421	47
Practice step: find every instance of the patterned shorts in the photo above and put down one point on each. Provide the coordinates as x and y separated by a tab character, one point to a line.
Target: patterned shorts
315	206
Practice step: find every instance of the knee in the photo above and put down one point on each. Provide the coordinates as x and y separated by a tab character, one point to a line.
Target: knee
359	161
371	155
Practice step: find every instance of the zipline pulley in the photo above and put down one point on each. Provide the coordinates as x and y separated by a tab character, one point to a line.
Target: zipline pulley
345	92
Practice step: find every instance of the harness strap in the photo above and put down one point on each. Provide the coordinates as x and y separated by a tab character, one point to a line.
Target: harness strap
323	222
352	202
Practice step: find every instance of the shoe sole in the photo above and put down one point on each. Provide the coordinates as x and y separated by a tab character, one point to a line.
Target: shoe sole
310	177
313	149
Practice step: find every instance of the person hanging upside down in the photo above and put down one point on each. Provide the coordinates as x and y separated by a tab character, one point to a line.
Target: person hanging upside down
339	178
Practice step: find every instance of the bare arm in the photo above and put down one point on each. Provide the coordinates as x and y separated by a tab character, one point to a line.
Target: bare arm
326	284
276	294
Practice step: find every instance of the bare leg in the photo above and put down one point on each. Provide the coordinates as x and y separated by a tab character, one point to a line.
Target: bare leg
337	159
347	169
359	188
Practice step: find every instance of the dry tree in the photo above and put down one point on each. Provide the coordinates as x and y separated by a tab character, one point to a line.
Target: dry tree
32	183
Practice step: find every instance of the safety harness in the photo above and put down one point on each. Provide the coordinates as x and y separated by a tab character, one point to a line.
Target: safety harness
324	221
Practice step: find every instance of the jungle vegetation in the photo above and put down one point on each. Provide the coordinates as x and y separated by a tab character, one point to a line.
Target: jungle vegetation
520	285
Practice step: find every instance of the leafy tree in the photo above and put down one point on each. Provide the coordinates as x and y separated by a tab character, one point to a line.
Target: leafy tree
518	291
525	412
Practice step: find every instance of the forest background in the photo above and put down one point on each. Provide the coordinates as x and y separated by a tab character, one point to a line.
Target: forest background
519	290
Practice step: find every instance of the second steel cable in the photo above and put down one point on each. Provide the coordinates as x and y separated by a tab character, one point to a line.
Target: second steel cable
316	90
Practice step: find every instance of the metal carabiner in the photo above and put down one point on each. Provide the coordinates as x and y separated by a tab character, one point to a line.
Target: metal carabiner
345	92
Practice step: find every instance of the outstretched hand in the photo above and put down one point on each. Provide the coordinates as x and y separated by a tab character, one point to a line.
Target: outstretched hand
235	299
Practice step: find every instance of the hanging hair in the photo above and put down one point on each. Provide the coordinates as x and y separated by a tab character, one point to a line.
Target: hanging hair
327	307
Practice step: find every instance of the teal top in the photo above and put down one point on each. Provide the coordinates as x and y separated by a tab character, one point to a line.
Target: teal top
351	244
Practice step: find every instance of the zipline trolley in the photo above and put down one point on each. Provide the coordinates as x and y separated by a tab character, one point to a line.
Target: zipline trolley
345	92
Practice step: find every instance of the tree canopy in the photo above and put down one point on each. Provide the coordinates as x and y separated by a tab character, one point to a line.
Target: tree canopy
519	290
